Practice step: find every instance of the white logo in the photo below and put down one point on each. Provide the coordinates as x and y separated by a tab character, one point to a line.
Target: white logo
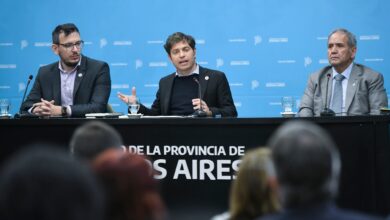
21	86
254	84
257	39
103	42
370	37
323	61
200	41
278	40
138	63
219	62
122	43
307	61
237	40
239	63
155	42
158	64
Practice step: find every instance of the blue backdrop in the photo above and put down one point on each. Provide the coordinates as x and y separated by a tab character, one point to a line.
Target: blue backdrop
267	48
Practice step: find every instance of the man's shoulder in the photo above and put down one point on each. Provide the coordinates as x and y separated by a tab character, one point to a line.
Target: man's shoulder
91	61
210	71
366	71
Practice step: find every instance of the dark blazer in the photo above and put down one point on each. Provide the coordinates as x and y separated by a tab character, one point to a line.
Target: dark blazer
215	92
92	87
324	211
366	93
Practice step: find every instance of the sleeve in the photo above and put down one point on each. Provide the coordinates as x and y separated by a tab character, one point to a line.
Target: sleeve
226	107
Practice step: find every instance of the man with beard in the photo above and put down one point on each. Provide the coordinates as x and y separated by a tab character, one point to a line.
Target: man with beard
179	94
73	86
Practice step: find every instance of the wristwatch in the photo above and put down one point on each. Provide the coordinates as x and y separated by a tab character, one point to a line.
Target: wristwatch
64	111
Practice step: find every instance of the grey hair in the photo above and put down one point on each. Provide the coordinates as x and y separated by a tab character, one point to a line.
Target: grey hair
307	163
351	37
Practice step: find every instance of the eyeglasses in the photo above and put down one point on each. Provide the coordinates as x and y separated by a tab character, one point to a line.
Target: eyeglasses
69	46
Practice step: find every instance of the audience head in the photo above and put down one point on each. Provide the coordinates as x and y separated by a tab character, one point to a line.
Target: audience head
46	184
253	193
307	163
131	190
93	138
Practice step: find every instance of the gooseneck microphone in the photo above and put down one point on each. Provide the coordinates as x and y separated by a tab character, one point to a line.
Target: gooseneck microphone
327	111
19	115
199	113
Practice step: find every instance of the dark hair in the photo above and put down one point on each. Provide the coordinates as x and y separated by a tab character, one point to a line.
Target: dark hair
176	38
351	37
63	28
307	163
130	188
46	183
93	138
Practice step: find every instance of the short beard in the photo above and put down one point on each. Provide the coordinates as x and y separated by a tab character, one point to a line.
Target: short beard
69	64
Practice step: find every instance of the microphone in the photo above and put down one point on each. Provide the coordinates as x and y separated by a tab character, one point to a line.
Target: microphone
327	111
199	113
20	115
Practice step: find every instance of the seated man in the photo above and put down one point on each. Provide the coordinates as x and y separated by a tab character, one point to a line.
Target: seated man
179	94
73	86
307	165
347	87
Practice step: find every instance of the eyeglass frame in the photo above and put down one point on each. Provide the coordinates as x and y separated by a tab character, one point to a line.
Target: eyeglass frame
68	46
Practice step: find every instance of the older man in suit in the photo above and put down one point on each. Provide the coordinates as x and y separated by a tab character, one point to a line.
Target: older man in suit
353	89
73	86
179	94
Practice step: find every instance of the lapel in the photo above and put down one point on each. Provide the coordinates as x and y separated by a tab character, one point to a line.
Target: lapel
352	85
323	86
56	84
81	72
166	94
204	77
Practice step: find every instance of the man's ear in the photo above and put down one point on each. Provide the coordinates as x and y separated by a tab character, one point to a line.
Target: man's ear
54	48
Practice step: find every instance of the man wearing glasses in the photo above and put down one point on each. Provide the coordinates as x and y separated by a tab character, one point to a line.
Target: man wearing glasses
73	86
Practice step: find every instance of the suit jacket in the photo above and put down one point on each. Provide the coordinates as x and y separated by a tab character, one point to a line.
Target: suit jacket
92	87
215	91
322	211
365	92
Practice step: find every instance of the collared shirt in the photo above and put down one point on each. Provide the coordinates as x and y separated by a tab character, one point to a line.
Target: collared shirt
196	71
67	85
344	83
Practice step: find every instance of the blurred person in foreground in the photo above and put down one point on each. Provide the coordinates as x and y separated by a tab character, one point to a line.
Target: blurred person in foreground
92	138
73	86
253	192
178	93
307	164
131	191
45	183
361	89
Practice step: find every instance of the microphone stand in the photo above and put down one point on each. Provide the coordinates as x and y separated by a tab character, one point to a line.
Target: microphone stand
327	112
20	114
200	113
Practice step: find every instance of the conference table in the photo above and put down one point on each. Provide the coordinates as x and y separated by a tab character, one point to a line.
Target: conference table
196	158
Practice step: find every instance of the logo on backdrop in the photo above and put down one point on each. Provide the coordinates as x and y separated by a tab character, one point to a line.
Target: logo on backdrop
23	44
307	61
103	42
219	62
255	84
257	39
138	63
